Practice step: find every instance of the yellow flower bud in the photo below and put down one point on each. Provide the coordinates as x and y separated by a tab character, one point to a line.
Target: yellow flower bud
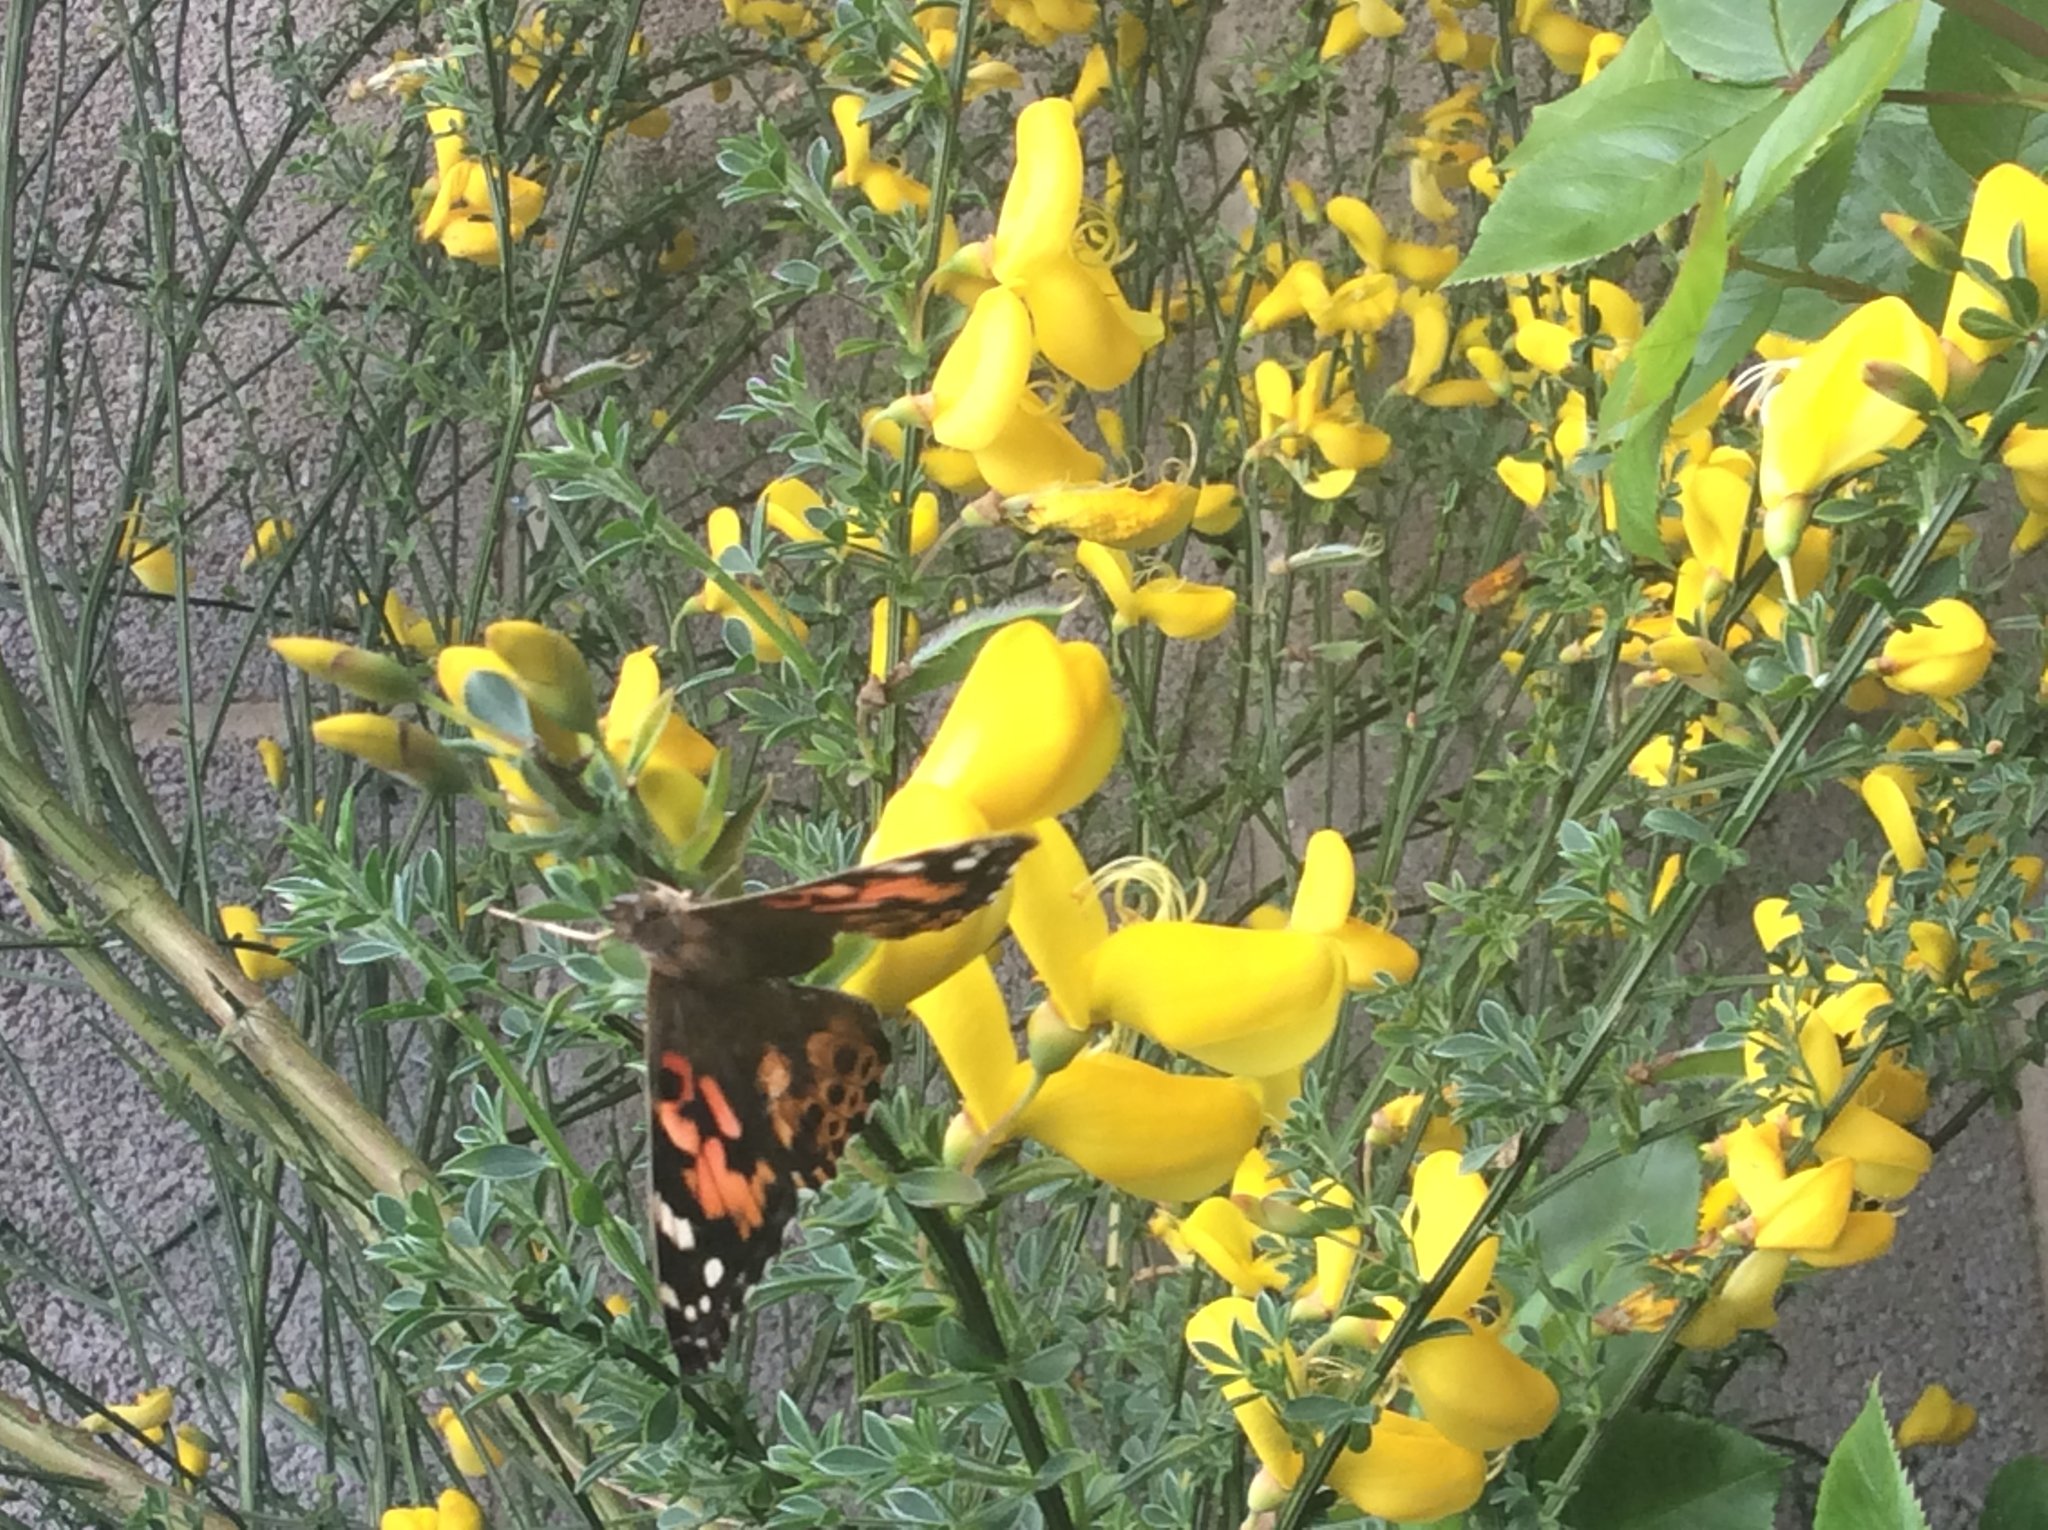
401	748
1945	656
372	676
258	958
551	672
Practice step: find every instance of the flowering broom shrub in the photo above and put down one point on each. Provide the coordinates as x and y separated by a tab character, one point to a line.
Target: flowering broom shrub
1398	500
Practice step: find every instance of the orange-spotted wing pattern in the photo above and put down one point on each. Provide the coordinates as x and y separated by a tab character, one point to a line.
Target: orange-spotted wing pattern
756	1083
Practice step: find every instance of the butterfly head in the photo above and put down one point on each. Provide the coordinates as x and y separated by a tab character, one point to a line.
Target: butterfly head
655	918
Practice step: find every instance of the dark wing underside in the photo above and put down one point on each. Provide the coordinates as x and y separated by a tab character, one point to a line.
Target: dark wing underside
755	1092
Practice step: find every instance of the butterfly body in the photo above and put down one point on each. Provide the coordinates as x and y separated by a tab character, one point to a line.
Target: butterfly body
756	1083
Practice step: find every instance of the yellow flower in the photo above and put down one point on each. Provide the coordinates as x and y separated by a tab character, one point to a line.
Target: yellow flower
1251	1002
1221	1236
1942	657
1443	1204
981	379
888	189
372	676
1392	1122
1046	21
400	748
2025	452
1116	515
150	1410
154	564
1825	419
1153	1134
551	672
1373	956
301	1404
765	642
1321	410
1936	1418
276	769
466	1448
1032	451
195	1451
641	725
2009	198
1356	20
1892	793
458	664
459	217
1476	1390
1179	608
271	535
1032	731
259	959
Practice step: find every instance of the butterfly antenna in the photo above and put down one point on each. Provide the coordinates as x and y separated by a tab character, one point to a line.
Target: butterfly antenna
566	931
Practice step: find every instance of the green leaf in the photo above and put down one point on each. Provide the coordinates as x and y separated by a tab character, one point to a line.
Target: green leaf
1847	86
1746	41
1744	310
1643	60
2018	1497
1666	347
1672	1471
496	703
498	1160
1050	1366
1817	194
1636	474
944	656
1628	164
1964	58
1865	1487
940	1187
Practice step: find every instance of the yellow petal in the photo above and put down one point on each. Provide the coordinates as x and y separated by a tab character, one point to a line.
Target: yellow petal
1156	1135
982	376
1057	917
1032	731
1888	1160
2008	197
1240	1001
257	956
1444	1203
970	1028
1410	1472
1042	202
1478	1392
1220	1235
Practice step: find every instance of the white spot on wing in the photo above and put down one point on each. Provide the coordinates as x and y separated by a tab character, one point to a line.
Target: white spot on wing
675	1228
714	1271
668	1296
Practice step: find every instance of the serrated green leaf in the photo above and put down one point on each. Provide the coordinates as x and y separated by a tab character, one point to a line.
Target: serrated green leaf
1744	310
1706	1477
1643	60
1666	347
1629	164
1968	60
1846	87
1865	1486
1745	41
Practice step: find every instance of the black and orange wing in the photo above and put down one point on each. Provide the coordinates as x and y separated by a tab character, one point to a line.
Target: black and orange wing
754	1097
756	1084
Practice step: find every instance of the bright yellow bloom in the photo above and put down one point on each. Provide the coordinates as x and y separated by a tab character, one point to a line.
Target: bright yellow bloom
1892	793
2008	198
1392	1122
154	564
372	676
1825	419
195	1451
2025	452
641	724
1477	1391
981	379
466	1448
1179	608
259	959
1221	1236
1943	657
1356	20
276	769
887	188
1116	515
1032	731
1153	1134
459	216
400	748
459	663
1322	411
551	672
1936	1418
1444	1202
1373	956
764	641
150	1410
1046	21
271	535
1034	450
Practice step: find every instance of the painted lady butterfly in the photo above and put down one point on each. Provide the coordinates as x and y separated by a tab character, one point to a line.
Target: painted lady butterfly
756	1083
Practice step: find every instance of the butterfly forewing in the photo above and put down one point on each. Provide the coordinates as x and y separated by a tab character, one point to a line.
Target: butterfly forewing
756	1084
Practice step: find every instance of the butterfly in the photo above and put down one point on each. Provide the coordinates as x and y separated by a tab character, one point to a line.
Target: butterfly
755	1083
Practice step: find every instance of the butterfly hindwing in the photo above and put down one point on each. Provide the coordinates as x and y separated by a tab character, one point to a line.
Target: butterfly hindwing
756	1084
